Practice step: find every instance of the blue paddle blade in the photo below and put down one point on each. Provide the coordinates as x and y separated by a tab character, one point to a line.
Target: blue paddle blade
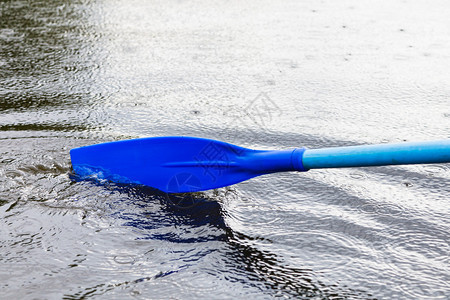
180	164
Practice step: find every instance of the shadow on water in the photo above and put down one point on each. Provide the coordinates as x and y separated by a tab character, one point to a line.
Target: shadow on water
148	211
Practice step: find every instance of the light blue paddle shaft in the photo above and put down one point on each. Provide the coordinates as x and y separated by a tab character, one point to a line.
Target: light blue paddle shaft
378	155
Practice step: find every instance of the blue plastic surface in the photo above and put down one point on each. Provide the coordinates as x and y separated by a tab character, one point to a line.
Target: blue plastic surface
188	164
378	155
180	164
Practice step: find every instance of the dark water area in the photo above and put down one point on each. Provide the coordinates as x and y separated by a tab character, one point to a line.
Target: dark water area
263	75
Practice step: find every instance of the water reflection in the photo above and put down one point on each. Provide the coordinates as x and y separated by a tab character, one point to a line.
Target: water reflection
45	73
74	73
191	218
199	224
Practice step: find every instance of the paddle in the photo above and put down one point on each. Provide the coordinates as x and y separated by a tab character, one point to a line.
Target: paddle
188	164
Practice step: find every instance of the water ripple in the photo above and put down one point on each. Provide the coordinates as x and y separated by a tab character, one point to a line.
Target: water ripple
264	75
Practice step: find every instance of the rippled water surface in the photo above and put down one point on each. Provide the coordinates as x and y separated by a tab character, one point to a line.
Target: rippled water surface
260	74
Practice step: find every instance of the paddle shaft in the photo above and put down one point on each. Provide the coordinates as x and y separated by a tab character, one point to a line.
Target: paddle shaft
378	155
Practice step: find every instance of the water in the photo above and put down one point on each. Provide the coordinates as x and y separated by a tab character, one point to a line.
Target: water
265	75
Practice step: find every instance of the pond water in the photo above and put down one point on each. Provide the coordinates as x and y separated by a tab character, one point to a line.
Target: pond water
261	74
